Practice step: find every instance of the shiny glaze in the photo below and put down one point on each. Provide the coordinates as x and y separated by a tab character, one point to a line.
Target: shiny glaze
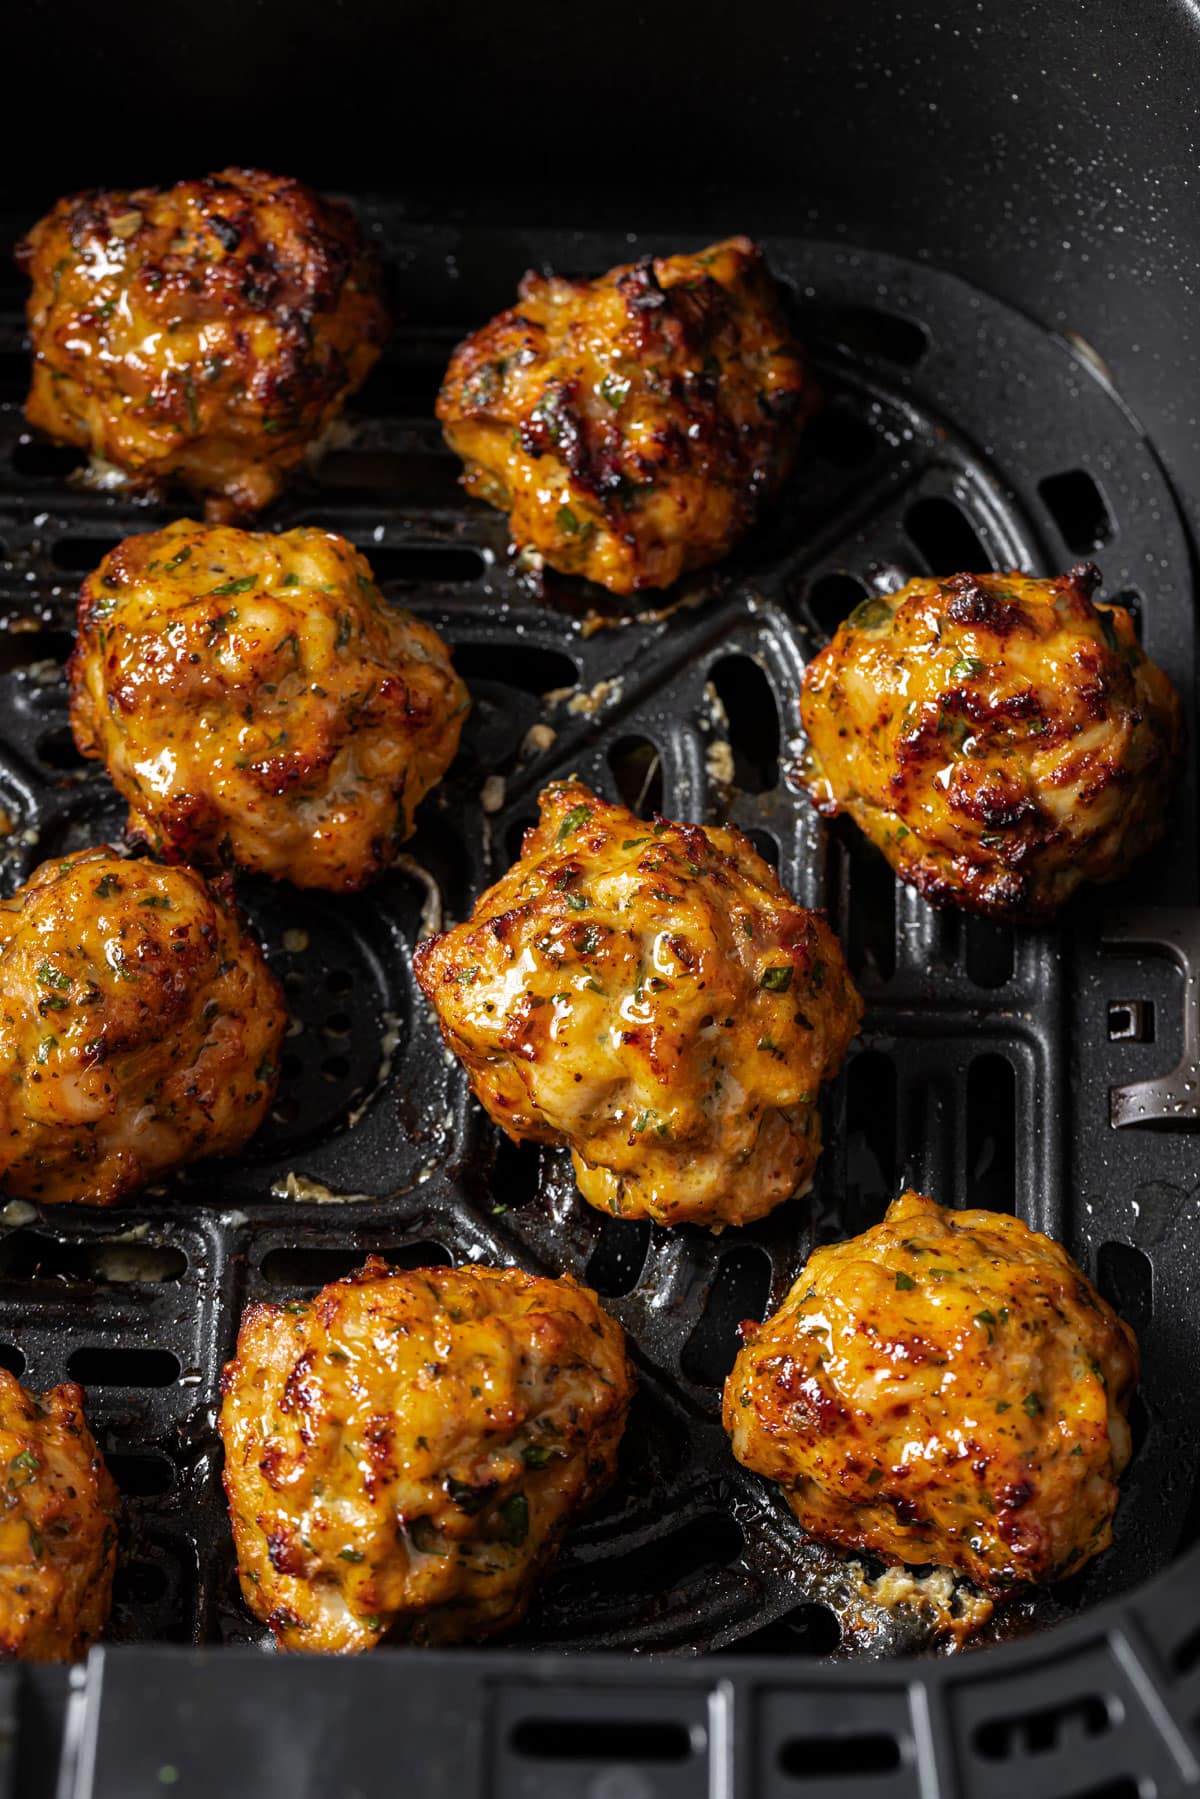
631	426
648	994
404	1451
141	1027
58	1526
947	1387
204	333
257	701
1001	739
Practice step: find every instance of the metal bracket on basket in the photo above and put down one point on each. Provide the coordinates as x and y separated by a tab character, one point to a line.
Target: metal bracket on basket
1172	1098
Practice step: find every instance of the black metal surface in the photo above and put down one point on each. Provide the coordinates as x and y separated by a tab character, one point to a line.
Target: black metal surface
955	432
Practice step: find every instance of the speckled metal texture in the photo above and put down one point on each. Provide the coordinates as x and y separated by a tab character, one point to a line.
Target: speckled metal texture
955	434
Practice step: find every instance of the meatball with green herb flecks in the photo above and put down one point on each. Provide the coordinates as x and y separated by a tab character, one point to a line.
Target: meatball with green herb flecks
404	1451
141	1027
947	1387
649	995
1002	739
632	426
201	335
258	702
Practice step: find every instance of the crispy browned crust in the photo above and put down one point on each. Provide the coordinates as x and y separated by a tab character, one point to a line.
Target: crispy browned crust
1002	739
141	1027
947	1387
202	334
648	994
257	701
404	1451
58	1526
633	425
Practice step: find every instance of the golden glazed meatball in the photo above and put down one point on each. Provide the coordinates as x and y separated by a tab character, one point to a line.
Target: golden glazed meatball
649	995
58	1526
404	1452
256	700
204	333
141	1028
632	426
1001	739
947	1387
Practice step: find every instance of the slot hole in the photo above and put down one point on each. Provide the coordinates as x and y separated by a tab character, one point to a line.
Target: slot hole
1078	509
14	375
1187	1655
29	1256
991	1134
637	770
1125	1277
80	555
871	1121
1131	600
424	562
399	390
142	1476
713	1540
989	952
818	1758
45	461
313	1268
339	982
866	331
12	1358
616	1261
517	1174
752	719
767	847
524	666
942	533
1036	1733
140	1583
870	930
809	1629
20	648
57	750
602	1740
740	1291
1131	1021
334	1068
112	1367
832	598
840	439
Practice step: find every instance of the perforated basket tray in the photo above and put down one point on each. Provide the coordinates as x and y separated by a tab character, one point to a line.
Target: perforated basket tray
1031	1071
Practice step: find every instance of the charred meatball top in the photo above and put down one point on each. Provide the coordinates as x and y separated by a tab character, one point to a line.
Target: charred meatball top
632	426
1002	739
203	334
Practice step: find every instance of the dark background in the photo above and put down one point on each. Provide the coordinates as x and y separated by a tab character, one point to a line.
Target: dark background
1046	151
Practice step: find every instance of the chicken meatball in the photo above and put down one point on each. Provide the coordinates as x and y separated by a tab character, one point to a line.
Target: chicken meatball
202	334
649	995
1001	739
947	1387
257	701
141	1028
632	426
58	1526
404	1452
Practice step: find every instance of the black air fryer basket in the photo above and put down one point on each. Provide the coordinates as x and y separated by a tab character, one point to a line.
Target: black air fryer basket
985	216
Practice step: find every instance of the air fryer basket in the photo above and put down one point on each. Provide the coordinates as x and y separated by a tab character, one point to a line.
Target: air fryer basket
1053	1073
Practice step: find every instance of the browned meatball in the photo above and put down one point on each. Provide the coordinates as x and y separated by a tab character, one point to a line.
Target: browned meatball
257	701
204	333
632	426
141	1027
1001	739
58	1526
403	1452
650	995
947	1387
